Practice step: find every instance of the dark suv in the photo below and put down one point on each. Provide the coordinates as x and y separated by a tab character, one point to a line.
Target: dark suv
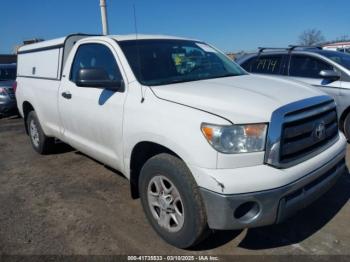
324	69
7	85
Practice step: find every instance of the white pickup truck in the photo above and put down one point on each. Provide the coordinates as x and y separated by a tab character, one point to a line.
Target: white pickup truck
204	144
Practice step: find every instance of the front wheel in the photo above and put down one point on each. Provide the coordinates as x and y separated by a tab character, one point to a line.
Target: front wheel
172	201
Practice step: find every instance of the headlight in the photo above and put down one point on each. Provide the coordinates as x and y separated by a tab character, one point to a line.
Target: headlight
236	138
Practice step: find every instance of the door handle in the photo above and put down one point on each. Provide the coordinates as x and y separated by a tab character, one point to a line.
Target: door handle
67	95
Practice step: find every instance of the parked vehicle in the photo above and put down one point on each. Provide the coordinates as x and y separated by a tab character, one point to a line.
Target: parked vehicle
324	69
343	46
7	84
203	143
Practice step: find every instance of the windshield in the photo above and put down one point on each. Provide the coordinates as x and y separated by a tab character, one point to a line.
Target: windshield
338	57
7	73
161	62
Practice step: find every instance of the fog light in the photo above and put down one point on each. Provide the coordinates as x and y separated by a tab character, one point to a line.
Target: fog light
247	211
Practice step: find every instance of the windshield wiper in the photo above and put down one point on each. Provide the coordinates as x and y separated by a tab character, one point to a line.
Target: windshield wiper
199	79
219	76
226	75
175	81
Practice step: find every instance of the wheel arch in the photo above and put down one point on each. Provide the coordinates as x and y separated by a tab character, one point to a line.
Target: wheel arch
27	108
342	118
141	152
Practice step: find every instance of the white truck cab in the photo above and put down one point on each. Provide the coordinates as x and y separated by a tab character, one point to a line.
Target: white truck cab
204	144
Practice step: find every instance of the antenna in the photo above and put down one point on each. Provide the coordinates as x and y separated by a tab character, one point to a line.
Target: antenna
138	52
135	22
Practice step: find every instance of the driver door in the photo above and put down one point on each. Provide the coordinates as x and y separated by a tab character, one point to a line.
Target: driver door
92	117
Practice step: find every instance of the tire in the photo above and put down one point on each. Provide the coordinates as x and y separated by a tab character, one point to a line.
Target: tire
159	174
346	127
40	142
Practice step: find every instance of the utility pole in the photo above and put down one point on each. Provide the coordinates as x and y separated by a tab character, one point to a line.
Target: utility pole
104	17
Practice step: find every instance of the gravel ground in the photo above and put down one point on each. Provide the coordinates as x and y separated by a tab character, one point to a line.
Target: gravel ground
67	203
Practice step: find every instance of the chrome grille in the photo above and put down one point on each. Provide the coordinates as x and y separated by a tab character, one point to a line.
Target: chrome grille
300	130
301	137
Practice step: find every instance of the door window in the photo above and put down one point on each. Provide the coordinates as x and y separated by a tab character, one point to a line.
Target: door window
95	56
267	64
248	63
307	66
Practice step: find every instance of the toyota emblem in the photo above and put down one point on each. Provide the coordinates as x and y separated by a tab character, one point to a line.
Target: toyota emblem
320	130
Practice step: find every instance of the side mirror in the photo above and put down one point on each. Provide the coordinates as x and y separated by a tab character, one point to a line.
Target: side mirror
97	77
330	75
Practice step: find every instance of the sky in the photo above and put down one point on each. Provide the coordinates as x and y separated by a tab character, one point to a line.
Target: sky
230	25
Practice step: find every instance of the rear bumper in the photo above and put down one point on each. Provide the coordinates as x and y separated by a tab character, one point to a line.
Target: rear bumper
237	211
7	105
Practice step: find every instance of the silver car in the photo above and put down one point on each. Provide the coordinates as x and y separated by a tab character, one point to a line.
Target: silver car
327	70
7	93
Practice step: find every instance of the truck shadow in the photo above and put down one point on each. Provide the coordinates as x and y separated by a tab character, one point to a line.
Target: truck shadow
61	148
294	230
111	169
216	239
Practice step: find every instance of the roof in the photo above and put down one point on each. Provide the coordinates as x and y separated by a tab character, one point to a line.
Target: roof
53	42
143	37
295	51
61	40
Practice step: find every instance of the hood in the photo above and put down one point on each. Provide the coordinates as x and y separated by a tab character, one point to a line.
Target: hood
240	99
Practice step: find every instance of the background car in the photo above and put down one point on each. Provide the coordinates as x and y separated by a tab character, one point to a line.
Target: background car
325	69
8	103
343	46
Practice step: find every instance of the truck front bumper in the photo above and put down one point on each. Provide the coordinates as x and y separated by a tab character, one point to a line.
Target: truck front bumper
266	207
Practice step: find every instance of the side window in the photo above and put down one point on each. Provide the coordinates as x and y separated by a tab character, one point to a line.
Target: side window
307	66
267	64
247	64
95	56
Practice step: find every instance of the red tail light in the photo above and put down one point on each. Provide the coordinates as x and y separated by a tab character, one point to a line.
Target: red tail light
14	86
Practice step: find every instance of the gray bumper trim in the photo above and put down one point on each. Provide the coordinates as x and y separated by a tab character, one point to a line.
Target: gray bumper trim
275	205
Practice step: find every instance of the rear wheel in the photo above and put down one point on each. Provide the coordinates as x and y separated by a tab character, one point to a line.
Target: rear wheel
40	142
172	202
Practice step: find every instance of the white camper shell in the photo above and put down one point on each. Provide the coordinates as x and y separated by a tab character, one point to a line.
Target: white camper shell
35	60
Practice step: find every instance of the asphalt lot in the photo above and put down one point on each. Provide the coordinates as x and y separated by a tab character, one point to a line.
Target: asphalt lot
67	203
